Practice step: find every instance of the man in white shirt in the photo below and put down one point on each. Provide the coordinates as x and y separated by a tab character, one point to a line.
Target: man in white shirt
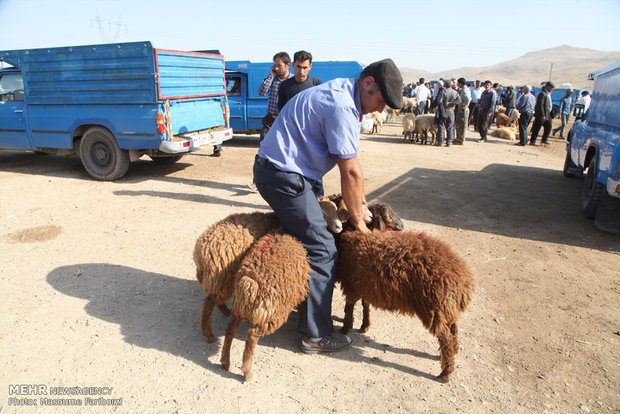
421	93
585	100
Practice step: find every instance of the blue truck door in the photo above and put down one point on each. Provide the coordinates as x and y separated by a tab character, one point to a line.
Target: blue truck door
13	126
13	132
236	90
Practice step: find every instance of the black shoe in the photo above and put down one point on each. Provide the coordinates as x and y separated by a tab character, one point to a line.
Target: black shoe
521	144
535	144
457	143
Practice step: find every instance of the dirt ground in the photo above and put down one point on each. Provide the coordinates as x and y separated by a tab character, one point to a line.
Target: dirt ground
99	289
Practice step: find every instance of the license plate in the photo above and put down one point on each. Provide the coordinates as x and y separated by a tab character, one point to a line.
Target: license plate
203	138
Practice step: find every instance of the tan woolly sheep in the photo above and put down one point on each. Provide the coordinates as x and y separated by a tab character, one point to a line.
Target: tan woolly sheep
272	280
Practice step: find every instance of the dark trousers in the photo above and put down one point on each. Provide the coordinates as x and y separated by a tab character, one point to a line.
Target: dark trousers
484	118
546	125
510	112
446	127
524	121
474	109
267	123
293	198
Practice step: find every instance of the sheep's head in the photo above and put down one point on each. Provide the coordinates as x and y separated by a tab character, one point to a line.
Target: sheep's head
330	214
384	217
343	211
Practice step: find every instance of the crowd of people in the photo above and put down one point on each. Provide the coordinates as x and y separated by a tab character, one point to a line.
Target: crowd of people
458	104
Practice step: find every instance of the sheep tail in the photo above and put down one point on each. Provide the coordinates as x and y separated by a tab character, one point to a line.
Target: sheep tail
248	303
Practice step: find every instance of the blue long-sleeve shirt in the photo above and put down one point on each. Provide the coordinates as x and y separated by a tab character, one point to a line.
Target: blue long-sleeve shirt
526	103
566	105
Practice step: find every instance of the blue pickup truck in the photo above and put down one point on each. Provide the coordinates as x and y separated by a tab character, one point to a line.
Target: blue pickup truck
594	145
112	103
243	78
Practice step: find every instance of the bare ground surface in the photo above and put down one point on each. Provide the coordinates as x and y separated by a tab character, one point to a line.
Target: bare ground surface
99	288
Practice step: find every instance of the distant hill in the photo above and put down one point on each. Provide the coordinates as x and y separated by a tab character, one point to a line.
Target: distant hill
570	64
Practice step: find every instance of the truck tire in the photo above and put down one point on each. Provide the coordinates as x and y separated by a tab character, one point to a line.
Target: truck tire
167	160
101	155
592	190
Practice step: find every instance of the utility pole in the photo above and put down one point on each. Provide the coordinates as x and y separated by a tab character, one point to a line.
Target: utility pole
550	70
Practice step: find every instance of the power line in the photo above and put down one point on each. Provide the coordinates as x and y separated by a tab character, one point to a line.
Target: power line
113	27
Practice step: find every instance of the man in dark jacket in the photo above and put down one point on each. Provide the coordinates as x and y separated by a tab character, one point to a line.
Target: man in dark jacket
487	108
542	115
509	100
447	99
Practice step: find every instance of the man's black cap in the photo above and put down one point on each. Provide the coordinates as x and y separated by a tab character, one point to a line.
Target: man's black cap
551	84
388	77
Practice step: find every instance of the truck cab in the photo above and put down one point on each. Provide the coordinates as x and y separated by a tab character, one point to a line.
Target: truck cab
594	147
247	107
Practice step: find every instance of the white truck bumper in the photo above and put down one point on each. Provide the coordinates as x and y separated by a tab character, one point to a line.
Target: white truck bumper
196	140
613	187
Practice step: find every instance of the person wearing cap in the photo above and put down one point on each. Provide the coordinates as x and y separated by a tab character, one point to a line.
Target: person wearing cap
462	113
566	106
316	130
542	115
509	100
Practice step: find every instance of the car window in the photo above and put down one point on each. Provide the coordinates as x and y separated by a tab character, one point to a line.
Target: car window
233	86
11	87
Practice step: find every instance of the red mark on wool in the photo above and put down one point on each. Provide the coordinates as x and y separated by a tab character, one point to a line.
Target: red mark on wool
265	247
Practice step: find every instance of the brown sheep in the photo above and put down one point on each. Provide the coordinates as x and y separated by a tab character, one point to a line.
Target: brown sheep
410	273
502	120
272	280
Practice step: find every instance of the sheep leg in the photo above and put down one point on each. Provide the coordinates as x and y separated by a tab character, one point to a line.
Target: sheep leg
206	318
348	317
448	346
230	334
366	317
248	352
223	309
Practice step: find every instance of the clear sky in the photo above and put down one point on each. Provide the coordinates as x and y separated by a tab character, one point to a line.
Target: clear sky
430	35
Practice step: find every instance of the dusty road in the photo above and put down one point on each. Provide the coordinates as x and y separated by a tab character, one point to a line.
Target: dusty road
99	289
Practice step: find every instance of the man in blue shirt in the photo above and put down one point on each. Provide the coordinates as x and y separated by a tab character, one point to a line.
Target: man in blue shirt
316	130
525	106
566	106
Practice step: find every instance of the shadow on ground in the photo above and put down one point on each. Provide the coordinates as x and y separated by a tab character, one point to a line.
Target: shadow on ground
157	311
521	202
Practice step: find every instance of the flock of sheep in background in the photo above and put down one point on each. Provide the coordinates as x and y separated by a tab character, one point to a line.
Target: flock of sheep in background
418	128
248	258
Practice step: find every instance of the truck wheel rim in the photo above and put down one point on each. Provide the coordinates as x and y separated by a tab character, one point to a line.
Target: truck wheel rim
101	154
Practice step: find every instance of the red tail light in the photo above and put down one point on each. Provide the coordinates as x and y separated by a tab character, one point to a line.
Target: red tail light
161	127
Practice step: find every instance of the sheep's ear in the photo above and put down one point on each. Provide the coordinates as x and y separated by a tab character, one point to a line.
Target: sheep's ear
378	223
